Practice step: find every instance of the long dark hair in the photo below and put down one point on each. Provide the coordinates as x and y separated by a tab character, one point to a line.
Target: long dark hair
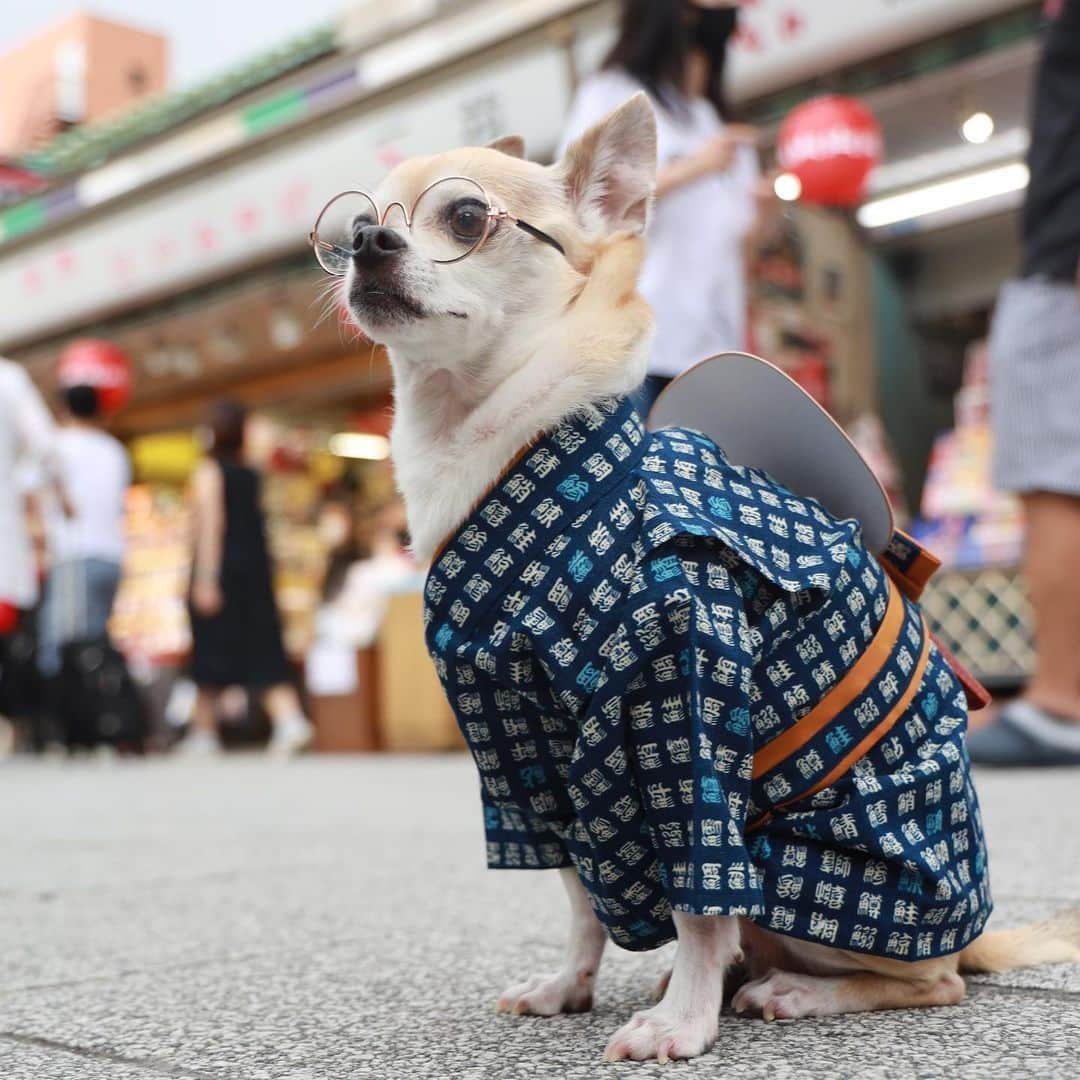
225	420
655	40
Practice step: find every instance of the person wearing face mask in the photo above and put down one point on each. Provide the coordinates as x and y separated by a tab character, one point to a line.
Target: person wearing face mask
711	202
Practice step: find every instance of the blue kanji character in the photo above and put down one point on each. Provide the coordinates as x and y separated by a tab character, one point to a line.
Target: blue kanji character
931	706
838	740
760	848
720	507
710	790
443	635
492	817
854	557
588	677
934	822
574	488
532	775
738	721
667	567
579	566
911	881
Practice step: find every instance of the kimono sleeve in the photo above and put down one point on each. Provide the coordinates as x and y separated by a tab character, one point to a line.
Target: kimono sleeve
685	701
526	813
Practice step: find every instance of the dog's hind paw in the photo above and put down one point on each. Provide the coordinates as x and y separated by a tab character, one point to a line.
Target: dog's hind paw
660	1034
548	995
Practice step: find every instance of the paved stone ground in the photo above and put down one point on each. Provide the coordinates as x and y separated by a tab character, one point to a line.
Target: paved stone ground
331	919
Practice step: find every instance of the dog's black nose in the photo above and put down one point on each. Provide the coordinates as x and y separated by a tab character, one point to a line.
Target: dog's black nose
374	243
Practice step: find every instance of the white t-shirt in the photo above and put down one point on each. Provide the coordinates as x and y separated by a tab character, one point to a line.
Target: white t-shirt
27	459
96	473
694	274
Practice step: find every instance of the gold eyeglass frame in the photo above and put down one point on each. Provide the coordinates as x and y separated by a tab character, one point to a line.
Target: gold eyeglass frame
495	214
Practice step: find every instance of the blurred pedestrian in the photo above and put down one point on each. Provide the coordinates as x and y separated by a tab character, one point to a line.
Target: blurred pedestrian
28	458
712	204
27	461
1035	382
360	577
86	545
236	630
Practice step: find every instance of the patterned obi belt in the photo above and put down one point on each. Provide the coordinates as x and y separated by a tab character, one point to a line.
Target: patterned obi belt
874	625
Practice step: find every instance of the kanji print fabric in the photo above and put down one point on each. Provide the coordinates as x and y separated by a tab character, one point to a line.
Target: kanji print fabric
704	694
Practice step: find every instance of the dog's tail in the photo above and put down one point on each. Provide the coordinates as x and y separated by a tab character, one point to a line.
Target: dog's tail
1055	941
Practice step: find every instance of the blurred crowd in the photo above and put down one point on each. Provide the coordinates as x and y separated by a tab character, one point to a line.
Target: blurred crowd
65	479
64	684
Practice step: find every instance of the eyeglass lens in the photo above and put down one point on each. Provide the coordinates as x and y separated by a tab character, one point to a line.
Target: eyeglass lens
449	221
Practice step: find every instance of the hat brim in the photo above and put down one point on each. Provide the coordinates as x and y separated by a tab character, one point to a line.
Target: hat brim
762	418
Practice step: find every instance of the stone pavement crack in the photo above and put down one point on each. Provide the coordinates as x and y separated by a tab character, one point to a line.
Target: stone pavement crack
162	1068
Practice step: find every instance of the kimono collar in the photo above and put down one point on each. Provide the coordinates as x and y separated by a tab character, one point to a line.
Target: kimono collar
549	485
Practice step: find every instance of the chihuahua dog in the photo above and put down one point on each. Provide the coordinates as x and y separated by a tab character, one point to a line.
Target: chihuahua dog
842	870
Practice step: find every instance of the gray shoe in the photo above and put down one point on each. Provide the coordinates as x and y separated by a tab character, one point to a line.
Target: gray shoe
1022	734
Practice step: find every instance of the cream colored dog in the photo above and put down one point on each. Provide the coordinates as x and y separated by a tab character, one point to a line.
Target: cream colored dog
486	352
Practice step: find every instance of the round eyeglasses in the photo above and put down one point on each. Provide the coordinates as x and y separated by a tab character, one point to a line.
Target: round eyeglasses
449	220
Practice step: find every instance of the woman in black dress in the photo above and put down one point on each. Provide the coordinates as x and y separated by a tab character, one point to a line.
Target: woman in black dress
236	632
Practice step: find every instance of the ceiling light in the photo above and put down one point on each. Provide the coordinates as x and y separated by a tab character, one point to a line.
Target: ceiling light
977	128
355	444
285	330
787	187
944	195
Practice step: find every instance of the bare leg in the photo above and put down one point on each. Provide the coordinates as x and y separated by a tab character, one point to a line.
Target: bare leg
282	703
788	995
684	1024
203	718
570	989
292	732
1053	539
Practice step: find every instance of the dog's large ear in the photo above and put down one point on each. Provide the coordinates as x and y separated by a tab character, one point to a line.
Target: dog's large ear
514	145
610	172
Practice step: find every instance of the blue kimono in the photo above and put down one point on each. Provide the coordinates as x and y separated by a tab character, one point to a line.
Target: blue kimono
704	694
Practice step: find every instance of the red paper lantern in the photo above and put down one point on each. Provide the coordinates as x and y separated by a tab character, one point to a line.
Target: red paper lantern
830	143
100	364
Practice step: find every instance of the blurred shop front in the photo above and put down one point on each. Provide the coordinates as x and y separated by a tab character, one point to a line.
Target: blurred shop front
178	231
884	315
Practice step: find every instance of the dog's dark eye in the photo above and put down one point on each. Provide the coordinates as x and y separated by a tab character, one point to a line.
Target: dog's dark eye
467	219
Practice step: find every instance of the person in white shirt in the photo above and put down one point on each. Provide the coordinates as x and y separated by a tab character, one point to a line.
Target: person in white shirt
711	202
87	547
27	450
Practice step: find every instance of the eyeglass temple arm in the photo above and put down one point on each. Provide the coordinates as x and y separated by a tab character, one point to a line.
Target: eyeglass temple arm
533	231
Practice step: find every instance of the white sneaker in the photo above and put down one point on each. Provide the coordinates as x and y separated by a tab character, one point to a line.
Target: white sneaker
290	737
198	744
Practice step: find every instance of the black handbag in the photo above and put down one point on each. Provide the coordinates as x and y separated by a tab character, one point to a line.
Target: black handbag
20	683
99	700
95	697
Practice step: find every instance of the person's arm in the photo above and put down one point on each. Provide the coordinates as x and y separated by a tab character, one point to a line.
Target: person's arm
36	431
716	155
768	211
208	504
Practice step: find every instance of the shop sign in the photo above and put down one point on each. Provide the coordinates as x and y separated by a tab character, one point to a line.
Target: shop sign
262	207
781	42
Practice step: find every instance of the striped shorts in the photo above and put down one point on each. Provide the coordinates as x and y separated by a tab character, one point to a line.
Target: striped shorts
1035	387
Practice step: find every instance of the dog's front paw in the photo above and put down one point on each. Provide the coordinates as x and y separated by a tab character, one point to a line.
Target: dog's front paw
548	995
662	1034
